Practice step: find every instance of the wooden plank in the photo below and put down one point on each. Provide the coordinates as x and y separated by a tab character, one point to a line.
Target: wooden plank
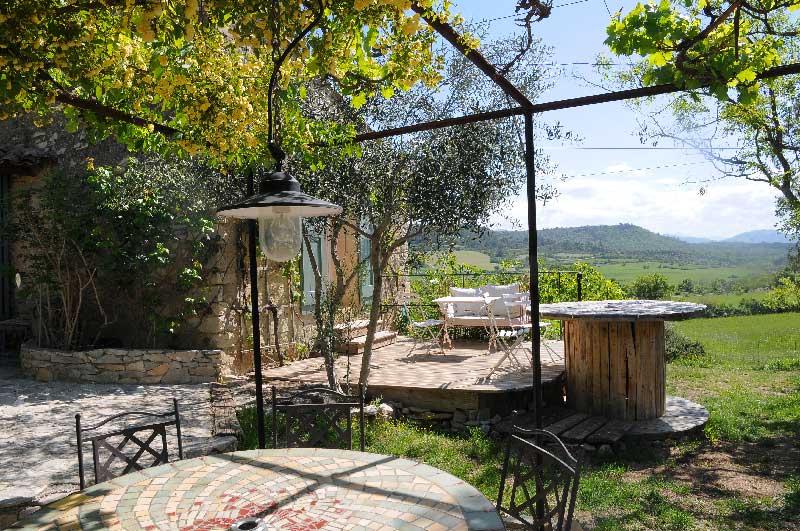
584	429
612	432
566	423
603	374
595	373
661	376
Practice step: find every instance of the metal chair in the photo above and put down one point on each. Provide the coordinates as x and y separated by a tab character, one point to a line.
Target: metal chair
544	481
426	326
140	435
318	418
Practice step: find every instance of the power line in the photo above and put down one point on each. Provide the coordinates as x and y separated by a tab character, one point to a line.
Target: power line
517	14
628	170
643	148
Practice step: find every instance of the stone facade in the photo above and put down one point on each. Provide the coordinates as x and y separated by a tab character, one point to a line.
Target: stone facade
122	366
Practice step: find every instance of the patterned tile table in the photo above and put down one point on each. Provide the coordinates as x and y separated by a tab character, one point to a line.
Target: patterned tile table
296	490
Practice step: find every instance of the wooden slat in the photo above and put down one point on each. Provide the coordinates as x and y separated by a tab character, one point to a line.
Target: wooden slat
584	429
612	432
566	423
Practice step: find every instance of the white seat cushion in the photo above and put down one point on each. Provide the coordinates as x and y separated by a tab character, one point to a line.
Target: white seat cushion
499	307
467	309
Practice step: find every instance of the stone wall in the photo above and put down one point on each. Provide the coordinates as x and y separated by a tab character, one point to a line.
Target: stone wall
121	366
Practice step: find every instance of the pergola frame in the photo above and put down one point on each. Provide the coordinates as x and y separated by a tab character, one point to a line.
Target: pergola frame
524	108
528	109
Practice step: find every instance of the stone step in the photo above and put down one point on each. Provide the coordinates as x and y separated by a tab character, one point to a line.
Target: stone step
353	329
356	345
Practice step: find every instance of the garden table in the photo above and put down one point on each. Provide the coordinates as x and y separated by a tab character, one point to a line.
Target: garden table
486	321
614	352
294	489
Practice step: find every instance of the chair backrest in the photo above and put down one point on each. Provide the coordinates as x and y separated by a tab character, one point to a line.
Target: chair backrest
544	480
515	304
109	455
317	418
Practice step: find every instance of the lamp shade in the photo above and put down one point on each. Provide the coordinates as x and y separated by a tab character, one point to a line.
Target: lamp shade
280	193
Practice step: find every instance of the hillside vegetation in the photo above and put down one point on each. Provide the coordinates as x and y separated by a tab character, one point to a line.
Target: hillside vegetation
615	244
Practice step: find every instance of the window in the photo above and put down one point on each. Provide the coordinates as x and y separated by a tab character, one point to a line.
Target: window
307	272
367	276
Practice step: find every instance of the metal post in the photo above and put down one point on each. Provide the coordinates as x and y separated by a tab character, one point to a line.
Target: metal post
251	251
579	279
533	259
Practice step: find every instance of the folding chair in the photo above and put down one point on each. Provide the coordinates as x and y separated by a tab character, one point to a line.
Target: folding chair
425	327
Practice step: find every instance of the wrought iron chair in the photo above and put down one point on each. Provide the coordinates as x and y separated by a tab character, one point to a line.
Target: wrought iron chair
544	481
317	418
114	442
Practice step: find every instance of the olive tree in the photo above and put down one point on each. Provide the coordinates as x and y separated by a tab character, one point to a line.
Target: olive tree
436	183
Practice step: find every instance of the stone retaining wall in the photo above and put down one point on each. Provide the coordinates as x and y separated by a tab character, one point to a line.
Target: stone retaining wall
122	366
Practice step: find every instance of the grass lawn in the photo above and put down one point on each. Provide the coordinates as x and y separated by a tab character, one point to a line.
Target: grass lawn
742	473
747	341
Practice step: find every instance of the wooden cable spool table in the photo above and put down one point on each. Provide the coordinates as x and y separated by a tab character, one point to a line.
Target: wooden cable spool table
614	353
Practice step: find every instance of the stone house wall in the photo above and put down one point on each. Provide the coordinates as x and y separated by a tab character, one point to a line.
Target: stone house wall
28	152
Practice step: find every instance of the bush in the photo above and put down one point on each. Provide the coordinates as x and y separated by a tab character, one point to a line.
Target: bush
651	287
680	347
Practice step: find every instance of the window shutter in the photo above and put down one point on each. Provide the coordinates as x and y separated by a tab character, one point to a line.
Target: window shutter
307	273
367	276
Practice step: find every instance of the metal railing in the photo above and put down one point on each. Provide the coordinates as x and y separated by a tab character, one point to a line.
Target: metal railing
464	275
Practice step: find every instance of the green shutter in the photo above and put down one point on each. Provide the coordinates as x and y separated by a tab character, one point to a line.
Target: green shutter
307	272
367	275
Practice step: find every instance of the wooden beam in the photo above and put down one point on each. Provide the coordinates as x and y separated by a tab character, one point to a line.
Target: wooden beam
620	95
451	35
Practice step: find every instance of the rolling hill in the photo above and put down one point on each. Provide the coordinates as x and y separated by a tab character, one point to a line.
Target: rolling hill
600	244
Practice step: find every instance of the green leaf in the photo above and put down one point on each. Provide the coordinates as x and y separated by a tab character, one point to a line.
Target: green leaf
359	100
746	76
660	58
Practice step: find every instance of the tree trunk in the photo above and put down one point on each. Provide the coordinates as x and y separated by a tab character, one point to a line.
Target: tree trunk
376	260
324	333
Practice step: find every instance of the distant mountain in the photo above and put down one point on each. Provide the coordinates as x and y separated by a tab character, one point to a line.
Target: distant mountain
759	236
565	245
690	239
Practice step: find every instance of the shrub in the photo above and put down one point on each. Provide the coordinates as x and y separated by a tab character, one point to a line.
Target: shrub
680	347
654	287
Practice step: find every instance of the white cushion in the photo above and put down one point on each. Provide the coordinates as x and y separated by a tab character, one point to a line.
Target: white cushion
499	307
466	309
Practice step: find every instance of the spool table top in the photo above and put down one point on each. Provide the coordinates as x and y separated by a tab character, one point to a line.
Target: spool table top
290	489
624	310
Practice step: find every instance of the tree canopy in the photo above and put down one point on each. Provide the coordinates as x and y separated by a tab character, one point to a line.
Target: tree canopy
716	50
191	77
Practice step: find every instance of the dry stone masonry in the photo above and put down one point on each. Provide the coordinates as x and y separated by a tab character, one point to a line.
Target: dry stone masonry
121	366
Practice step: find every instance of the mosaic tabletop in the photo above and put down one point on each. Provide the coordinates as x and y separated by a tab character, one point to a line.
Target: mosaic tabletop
296	489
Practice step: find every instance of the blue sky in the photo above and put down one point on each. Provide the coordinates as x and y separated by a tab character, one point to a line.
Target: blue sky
651	188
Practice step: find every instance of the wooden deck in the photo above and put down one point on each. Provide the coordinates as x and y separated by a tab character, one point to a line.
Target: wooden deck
416	374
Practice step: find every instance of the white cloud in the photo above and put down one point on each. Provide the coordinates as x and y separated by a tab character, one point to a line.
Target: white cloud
656	201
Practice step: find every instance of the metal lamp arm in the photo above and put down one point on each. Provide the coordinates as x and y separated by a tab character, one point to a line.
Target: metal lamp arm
274	149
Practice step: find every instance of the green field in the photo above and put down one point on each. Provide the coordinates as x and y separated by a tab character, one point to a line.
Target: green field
473	258
625	272
720	299
747	341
